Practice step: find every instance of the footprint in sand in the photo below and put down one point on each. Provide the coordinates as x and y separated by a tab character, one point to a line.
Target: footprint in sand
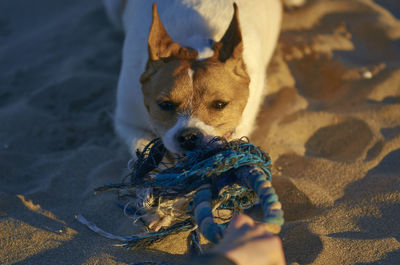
343	142
295	203
301	246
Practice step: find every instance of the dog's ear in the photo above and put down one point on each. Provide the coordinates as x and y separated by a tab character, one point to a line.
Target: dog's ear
231	44
229	49
161	46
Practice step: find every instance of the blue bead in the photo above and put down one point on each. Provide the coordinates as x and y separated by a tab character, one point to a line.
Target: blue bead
274	219
268	201
202	195
212	232
201	214
266	192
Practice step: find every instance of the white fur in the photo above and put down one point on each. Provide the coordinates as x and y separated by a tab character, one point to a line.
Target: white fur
206	129
205	53
184	122
169	138
193	23
190	74
293	3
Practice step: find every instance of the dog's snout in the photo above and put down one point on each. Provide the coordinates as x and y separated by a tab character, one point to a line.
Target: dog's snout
189	138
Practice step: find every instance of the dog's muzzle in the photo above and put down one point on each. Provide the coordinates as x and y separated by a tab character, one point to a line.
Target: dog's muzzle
189	138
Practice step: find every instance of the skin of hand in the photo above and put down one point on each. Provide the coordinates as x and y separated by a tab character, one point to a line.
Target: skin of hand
248	243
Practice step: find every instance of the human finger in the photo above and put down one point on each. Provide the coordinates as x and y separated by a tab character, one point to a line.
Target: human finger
241	220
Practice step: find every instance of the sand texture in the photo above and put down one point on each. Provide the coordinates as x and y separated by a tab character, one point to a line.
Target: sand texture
331	122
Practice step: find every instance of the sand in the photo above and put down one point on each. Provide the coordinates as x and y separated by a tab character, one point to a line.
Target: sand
331	122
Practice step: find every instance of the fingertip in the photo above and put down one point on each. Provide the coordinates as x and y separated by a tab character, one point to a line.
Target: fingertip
240	220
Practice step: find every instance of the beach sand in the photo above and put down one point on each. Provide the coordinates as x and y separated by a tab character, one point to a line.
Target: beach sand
331	122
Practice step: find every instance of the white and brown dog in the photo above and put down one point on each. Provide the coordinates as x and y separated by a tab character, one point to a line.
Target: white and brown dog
192	69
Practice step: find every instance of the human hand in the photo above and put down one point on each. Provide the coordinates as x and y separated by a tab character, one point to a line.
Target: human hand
247	243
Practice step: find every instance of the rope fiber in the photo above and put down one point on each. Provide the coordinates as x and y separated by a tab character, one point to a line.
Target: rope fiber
222	175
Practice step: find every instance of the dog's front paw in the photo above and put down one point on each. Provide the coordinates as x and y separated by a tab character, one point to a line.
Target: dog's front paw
139	144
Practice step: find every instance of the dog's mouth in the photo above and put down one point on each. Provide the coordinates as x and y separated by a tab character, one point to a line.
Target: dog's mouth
209	138
189	134
206	139
228	135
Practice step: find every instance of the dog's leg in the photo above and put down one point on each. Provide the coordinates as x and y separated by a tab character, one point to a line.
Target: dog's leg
134	138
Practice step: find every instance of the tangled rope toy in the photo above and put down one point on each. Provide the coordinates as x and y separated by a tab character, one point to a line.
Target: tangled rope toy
220	176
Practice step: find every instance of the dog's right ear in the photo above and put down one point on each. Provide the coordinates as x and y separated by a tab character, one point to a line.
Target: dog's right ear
162	48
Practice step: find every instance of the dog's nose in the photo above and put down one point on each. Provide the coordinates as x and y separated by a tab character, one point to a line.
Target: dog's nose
189	138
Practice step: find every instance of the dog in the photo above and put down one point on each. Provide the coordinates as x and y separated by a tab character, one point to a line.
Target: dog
192	69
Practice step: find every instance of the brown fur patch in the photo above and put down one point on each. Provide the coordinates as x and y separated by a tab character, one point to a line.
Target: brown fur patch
221	78
212	81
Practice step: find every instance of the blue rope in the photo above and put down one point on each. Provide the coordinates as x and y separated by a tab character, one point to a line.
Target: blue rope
214	165
197	167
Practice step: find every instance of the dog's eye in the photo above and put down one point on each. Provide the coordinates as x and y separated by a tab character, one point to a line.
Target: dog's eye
219	104
167	105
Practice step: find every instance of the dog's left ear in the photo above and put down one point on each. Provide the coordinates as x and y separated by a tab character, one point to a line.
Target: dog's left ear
231	45
162	48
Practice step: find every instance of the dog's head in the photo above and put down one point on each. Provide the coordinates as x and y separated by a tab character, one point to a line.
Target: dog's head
189	100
